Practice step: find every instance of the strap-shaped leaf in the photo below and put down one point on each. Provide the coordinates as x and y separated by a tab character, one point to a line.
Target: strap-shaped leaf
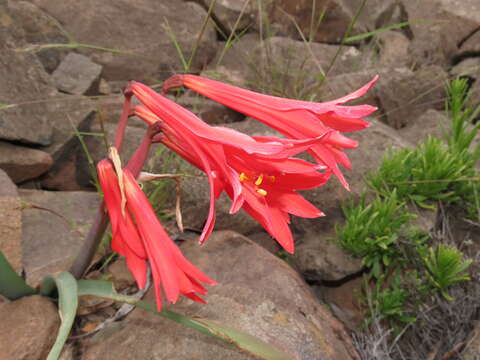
67	307
243	341
12	286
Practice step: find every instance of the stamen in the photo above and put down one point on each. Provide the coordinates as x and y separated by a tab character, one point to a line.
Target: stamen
271	178
261	192
243	177
259	180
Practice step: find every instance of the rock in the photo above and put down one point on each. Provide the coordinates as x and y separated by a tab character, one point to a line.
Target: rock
404	94
335	19
394	49
18	71
235	63
54	225
263	297
31	325
232	15
23	163
211	112
345	302
320	259
430	123
450	23
40	29
469	67
471	45
76	74
283	66
140	32
377	13
10	222
474	99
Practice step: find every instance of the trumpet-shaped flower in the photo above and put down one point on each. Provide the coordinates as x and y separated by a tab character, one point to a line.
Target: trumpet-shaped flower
139	236
294	118
231	160
266	185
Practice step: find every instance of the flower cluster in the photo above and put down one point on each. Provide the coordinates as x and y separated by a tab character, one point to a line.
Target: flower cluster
259	174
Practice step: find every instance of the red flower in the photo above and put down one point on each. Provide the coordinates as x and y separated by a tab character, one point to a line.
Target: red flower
294	118
139	236
265	186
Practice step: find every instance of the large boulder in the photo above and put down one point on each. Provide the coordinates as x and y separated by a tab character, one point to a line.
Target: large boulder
141	34
30	326
256	293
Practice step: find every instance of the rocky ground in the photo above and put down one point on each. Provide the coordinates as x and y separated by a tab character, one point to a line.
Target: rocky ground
62	69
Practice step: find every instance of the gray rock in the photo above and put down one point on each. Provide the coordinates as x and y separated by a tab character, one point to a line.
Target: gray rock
283	66
394	49
54	225
24	83
40	29
377	13
450	23
468	67
232	15
430	123
471	44
335	19
404	94
23	163
262	296
320	259
31	324
10	222
76	74
139	31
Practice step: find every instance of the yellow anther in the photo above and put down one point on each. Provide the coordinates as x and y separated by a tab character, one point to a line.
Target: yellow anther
261	192
271	178
243	177
259	180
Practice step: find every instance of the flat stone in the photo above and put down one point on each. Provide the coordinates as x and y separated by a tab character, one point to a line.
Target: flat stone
31	325
394	49
54	225
320	259
141	33
232	15
263	296
22	163
19	71
10	222
76	74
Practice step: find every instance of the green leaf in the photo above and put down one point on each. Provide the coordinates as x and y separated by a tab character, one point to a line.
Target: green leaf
243	341
12	286
67	307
